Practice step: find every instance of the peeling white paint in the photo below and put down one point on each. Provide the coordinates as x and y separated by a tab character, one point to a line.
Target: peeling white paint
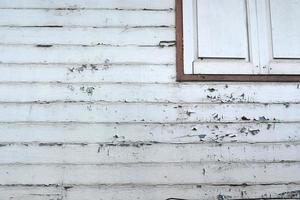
89	107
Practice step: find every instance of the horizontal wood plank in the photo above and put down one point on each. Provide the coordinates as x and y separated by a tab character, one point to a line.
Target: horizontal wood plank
135	92
90	4
136	192
42	153
161	133
87	36
86	18
188	173
90	108
189	192
30	193
149	112
86	55
73	73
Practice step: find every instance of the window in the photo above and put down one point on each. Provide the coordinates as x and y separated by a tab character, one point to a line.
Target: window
238	40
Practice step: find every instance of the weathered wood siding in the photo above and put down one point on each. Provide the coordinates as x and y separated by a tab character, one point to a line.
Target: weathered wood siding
90	109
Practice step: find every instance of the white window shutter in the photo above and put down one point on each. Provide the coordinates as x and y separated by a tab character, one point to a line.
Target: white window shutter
285	23
241	37
222	29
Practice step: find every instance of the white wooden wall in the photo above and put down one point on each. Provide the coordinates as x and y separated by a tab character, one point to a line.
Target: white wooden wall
90	110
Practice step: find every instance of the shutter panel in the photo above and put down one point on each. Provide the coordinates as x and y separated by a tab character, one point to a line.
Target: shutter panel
222	29
285	22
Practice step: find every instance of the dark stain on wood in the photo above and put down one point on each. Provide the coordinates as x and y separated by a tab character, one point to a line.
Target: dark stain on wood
163	44
44	45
